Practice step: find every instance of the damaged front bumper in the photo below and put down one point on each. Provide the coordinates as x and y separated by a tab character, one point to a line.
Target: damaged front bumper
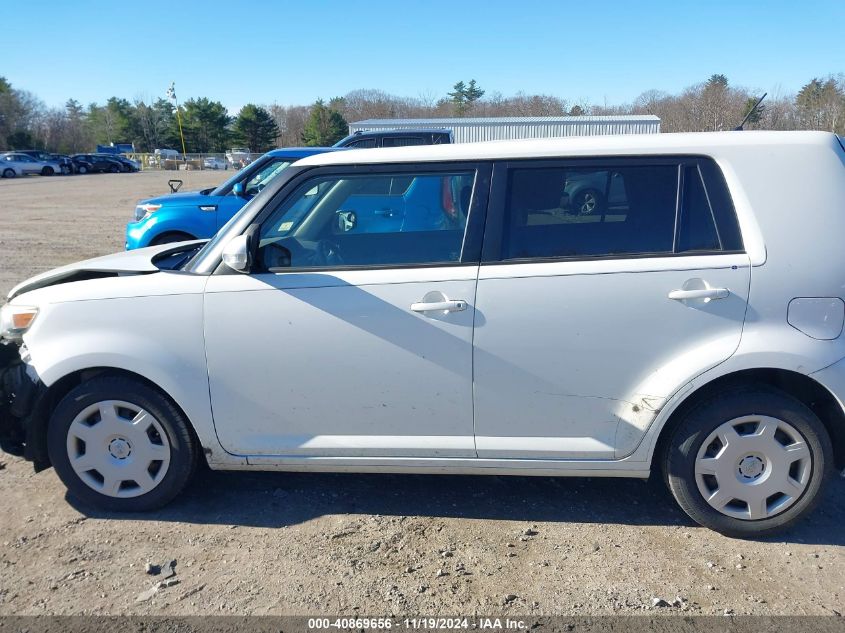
18	397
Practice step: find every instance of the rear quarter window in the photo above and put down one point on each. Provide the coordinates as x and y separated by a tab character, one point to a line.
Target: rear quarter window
402	141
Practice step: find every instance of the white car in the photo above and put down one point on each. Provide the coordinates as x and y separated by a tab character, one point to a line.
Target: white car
439	309
13	164
215	162
239	157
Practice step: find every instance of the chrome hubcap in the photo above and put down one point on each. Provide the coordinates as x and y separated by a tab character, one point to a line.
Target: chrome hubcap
753	467
589	204
118	449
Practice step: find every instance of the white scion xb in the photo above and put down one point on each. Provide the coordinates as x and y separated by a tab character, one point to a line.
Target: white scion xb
460	309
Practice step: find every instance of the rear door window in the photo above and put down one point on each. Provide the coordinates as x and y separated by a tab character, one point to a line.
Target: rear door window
615	208
590	211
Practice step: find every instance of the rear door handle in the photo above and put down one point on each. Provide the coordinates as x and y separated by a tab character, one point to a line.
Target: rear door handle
702	293
454	305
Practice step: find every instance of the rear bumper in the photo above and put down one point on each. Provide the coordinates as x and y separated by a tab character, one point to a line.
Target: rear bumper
19	392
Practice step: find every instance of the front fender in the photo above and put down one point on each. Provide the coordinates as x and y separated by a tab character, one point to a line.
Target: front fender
183	219
156	337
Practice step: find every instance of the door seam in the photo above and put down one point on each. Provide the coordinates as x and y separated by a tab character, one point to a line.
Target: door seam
472	359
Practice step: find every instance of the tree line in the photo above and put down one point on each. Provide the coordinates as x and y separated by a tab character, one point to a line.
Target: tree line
714	104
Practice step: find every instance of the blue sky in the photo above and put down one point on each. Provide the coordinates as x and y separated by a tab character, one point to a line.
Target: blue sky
241	51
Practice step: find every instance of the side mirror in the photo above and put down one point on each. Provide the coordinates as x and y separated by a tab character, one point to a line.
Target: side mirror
236	253
238	189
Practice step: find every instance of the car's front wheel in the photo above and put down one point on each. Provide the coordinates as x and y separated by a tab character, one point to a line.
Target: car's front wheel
9	173
82	169
114	169
118	444
749	462
169	238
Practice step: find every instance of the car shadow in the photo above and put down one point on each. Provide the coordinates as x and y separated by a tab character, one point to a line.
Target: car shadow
274	500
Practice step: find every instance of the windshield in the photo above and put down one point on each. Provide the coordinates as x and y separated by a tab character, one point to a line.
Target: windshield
345	140
255	177
255	183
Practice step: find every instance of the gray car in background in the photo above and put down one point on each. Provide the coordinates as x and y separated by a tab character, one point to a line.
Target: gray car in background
14	164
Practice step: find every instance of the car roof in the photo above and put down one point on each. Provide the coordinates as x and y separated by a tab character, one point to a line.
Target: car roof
619	145
301	152
401	132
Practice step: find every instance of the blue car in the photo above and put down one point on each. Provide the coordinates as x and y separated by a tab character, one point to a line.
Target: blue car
177	217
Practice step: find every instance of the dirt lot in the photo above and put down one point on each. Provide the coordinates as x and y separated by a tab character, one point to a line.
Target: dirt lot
266	543
46	222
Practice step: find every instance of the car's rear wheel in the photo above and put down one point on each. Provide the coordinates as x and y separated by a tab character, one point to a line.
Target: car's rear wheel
749	462
114	169
587	202
9	173
47	171
118	444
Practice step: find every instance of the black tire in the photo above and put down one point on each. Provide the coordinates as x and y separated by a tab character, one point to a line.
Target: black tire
169	238
587	202
82	169
47	171
114	169
706	417
9	173
184	450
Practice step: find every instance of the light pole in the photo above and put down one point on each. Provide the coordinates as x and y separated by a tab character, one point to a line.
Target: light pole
171	94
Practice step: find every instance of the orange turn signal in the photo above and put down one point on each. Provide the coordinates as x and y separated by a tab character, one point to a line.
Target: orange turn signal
22	320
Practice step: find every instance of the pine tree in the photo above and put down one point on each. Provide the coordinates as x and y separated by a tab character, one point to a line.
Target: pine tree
255	128
463	96
325	126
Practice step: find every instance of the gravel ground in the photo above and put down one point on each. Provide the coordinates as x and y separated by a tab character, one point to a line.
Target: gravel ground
276	543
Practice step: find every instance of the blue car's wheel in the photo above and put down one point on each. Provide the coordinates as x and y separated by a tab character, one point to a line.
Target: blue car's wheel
173	236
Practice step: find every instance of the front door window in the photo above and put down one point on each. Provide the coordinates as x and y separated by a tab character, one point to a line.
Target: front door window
369	220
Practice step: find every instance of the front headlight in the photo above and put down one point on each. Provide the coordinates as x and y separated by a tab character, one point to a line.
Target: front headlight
143	210
15	320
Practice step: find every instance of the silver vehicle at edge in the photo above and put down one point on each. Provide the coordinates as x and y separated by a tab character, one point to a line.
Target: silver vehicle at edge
22	165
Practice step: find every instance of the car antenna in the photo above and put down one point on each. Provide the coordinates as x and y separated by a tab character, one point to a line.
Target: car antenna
750	112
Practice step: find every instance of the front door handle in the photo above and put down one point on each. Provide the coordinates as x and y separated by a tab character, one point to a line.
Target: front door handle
208	207
700	293
454	305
